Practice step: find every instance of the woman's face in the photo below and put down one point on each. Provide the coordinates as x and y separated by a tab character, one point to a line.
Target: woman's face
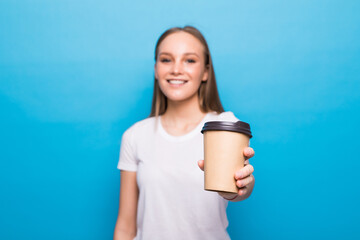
180	67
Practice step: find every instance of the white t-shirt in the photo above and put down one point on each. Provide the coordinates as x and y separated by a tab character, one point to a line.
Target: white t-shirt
172	201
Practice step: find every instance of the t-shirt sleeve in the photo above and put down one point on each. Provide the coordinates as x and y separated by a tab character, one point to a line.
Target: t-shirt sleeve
128	160
228	116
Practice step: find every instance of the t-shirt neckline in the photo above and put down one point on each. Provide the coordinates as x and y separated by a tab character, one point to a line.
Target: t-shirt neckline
184	137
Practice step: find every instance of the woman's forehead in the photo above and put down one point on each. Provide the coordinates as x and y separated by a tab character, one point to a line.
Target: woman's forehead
181	42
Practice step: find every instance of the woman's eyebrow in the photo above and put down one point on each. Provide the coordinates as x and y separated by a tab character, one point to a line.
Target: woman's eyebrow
188	53
191	53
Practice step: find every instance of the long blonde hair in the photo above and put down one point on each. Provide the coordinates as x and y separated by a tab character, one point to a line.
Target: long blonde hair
208	94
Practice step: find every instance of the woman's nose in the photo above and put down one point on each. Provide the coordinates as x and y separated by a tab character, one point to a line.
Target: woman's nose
177	67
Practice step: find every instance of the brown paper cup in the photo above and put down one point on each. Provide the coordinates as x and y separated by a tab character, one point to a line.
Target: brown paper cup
224	143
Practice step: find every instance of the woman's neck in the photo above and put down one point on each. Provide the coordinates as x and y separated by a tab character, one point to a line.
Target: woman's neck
182	117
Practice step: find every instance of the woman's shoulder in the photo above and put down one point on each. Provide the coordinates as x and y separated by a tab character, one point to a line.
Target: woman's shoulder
141	126
224	116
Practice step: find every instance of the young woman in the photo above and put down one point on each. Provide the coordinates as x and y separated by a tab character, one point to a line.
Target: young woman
162	194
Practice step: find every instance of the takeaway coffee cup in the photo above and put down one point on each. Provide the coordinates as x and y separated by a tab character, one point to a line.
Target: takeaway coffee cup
224	143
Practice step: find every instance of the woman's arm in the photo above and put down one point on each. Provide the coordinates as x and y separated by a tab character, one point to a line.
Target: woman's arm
125	227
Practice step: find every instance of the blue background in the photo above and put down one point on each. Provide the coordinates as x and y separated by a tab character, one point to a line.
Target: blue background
75	74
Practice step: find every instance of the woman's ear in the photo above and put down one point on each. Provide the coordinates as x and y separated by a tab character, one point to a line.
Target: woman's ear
156	77
206	73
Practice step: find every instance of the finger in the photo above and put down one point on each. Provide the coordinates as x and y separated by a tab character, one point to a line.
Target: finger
248	152
246	162
201	164
244	172
244	182
242	191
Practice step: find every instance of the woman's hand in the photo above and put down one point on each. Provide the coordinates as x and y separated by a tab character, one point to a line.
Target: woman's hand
244	178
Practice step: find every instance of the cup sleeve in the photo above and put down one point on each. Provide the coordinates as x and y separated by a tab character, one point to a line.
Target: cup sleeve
127	158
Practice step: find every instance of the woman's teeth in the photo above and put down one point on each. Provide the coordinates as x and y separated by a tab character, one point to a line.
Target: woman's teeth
178	82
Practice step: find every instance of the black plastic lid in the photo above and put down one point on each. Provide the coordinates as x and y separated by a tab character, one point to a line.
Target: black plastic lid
239	126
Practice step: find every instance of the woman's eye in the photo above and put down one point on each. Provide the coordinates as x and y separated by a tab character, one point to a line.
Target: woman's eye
190	60
164	60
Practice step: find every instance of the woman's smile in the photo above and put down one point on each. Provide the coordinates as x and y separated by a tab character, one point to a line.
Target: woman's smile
176	82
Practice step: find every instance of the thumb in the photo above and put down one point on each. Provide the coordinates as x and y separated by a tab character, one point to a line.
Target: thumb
201	164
